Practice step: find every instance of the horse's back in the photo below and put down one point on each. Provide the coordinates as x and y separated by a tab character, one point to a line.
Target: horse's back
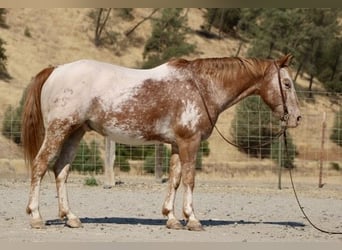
105	96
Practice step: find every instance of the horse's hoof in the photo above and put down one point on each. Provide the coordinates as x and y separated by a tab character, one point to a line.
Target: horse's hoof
74	223
174	224
194	225
37	224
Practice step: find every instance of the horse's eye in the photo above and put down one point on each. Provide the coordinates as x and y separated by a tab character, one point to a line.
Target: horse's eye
287	84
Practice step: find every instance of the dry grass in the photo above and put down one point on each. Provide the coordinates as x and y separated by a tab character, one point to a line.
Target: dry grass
58	36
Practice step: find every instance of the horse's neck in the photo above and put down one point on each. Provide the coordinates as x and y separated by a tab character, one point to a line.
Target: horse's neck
230	89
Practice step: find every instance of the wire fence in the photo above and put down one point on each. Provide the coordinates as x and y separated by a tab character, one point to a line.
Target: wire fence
317	142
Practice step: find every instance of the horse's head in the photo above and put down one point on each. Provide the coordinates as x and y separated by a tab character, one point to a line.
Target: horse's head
279	93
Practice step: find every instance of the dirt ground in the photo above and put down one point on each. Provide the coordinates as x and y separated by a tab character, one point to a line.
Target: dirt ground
231	210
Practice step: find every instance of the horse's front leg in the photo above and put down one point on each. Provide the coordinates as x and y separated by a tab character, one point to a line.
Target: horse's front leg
174	181
188	152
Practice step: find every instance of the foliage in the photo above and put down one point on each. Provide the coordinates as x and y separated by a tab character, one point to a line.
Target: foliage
335	166
167	39
225	20
311	35
27	32
3	58
11	126
91	181
87	159
278	153
254	125
125	152
3	23
336	135
100	18
150	161
275	31
125	14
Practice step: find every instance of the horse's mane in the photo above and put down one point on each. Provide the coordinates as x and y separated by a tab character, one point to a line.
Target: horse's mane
224	67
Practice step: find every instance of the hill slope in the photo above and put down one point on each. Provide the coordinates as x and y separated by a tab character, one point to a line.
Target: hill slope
41	37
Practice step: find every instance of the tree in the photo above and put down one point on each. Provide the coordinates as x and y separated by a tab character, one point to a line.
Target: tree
274	31
254	125
167	39
225	20
322	27
131	30
309	34
3	58
100	17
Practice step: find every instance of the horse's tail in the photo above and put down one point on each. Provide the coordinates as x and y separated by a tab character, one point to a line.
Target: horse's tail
32	126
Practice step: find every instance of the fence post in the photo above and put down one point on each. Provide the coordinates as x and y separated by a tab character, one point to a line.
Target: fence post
280	161
109	163
321	155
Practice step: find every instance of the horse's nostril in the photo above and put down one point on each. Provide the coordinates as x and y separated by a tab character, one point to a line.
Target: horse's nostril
299	118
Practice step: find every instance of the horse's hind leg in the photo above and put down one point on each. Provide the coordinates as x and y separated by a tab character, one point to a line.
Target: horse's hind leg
61	170
174	181
45	157
37	172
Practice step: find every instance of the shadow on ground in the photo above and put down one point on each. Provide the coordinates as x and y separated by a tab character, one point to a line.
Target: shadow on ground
162	222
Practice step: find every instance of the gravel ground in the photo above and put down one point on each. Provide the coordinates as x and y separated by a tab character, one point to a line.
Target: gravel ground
242	210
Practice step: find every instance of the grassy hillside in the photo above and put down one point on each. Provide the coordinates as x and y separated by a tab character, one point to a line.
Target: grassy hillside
41	37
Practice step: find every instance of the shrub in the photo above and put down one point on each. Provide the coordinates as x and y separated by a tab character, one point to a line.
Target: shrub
167	39
3	58
336	135
254	125
91	181
11	126
150	160
87	159
335	166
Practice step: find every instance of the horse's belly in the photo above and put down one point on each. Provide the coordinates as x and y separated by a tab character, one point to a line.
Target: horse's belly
127	136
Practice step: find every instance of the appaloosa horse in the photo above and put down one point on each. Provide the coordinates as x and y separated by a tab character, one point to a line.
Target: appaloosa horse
177	103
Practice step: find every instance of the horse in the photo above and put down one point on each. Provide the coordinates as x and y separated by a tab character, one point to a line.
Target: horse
177	103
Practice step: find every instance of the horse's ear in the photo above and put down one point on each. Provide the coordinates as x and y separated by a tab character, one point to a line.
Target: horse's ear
285	61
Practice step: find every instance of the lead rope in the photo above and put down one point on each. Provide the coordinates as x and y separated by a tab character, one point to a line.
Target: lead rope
296	196
281	132
276	136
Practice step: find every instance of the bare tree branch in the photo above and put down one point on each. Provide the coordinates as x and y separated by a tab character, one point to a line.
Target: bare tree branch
127	33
